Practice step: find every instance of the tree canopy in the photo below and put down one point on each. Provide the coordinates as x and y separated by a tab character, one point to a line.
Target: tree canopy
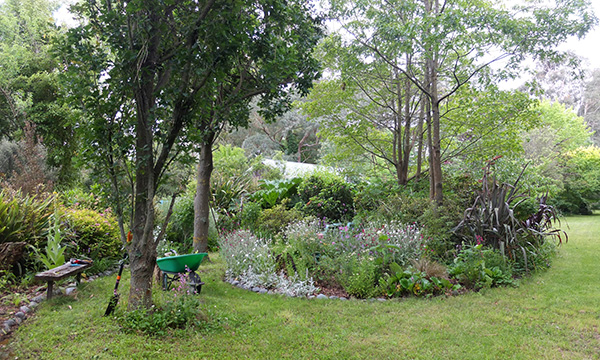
410	58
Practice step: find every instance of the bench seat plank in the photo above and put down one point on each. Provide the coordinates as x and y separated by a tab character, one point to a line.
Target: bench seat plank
59	273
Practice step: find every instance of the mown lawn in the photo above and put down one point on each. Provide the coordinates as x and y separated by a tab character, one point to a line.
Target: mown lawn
552	315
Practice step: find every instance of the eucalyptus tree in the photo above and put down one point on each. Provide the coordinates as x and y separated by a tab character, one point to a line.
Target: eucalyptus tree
157	77
590	107
29	84
426	51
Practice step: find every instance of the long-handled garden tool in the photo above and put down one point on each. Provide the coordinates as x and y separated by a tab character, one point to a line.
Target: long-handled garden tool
112	304
114	300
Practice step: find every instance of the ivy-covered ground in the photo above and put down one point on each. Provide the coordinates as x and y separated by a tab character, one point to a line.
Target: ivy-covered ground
551	315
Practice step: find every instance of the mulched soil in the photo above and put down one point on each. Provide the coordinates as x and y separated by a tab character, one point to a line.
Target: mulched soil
332	289
12	299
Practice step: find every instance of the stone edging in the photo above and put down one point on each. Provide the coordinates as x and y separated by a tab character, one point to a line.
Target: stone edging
13	323
261	290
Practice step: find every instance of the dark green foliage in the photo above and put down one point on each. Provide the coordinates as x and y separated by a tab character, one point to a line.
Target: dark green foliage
250	215
8	152
370	195
78	198
569	201
328	198
181	225
101	265
408	206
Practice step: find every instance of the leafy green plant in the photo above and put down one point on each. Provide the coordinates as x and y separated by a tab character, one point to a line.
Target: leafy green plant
15	299
182	310
361	277
479	267
273	221
54	254
250	215
227	192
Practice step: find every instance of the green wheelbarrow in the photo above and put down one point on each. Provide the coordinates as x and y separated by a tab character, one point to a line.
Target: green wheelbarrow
172	267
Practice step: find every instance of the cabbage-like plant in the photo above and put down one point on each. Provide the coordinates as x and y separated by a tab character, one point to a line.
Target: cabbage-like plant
273	192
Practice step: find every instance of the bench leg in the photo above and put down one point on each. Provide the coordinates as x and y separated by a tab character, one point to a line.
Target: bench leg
77	279
50	288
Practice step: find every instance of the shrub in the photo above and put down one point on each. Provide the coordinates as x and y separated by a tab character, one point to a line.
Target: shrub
369	196
95	234
180	230
393	242
31	176
352	258
75	197
250	215
435	221
273	221
492	221
23	217
250	260
327	197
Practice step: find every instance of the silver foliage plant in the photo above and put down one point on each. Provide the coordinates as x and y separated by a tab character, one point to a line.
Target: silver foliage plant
250	261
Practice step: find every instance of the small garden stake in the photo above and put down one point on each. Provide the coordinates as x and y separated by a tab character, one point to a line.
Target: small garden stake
112	304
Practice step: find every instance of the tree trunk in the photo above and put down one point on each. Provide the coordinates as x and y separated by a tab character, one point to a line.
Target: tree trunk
142	250
436	155
398	146
202	200
419	138
407	146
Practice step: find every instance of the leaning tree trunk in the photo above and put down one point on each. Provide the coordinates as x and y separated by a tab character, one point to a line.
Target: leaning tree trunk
202	200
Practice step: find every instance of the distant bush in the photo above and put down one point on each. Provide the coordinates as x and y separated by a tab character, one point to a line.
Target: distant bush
581	177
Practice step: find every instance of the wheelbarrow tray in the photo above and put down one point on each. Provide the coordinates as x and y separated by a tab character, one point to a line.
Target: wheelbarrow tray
177	264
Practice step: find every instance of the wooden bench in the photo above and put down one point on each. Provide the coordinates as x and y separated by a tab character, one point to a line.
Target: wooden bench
59	273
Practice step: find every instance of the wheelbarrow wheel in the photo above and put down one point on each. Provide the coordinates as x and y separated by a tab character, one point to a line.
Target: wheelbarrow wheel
165	281
195	282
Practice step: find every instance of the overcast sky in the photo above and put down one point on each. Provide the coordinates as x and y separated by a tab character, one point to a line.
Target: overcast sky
588	48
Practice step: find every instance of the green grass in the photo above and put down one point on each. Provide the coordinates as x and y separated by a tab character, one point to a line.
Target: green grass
552	315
